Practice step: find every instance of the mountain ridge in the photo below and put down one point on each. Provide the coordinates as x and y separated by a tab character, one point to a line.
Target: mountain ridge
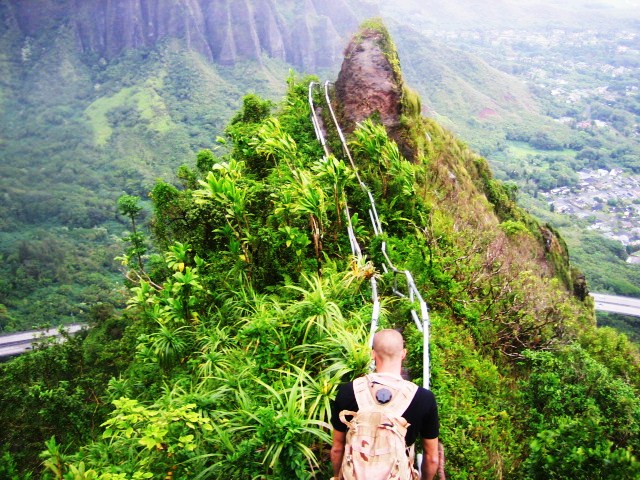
239	332
222	31
79	129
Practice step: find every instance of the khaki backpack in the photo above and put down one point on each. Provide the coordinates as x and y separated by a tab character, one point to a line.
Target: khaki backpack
375	447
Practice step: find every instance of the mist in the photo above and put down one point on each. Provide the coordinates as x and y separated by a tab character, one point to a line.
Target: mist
527	14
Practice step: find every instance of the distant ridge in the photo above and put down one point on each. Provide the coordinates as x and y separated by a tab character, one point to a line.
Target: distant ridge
221	30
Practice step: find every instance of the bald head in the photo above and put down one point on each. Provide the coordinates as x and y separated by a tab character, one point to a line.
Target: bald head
388	346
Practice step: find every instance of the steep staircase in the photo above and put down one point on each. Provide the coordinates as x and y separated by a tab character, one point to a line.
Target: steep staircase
403	284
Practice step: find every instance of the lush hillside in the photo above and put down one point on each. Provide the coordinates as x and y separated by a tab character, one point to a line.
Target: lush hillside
92	112
253	311
97	102
547	106
81	136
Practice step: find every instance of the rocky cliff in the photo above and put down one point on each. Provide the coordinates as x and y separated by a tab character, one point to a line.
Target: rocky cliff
307	34
370	84
367	83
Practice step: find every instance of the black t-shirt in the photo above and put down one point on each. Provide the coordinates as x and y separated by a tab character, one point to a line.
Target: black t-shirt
422	413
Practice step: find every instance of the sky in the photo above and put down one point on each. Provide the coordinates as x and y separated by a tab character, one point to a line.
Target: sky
480	14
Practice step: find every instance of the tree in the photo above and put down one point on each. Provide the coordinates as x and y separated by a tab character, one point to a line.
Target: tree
239	350
128	205
586	422
5	318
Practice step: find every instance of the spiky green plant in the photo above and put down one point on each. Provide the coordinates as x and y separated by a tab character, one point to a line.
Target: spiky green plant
287	435
336	175
315	310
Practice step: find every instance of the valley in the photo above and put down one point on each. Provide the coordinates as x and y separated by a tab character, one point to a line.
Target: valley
577	116
540	103
609	201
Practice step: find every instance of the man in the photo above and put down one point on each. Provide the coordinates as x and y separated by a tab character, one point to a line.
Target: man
422	413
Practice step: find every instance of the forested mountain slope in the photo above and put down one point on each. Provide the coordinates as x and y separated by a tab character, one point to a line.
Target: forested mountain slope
240	330
573	110
99	99
306	34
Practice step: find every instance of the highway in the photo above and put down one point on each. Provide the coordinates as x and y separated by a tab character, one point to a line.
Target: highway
616	304
16	343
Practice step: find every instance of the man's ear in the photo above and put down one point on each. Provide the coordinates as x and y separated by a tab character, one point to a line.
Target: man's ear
404	353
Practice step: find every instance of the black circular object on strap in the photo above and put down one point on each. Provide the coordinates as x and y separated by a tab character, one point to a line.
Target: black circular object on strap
383	396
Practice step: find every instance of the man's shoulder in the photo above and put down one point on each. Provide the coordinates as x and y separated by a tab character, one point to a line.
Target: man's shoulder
424	400
345	386
345	390
421	395
425	394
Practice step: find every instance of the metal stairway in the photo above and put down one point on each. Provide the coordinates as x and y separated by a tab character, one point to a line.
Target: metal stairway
409	289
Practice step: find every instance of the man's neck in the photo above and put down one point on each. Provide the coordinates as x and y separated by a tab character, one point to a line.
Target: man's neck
391	371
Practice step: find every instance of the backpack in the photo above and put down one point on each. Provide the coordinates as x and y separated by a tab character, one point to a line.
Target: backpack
375	447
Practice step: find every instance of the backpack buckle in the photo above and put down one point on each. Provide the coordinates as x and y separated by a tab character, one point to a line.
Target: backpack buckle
383	396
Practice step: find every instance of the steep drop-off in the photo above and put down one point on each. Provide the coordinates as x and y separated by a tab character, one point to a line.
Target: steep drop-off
370	85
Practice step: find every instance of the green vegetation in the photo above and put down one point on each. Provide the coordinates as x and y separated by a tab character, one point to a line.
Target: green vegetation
245	309
77	138
78	131
239	330
630	326
60	391
601	259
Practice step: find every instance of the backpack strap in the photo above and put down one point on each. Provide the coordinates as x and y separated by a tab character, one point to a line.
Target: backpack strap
362	393
343	417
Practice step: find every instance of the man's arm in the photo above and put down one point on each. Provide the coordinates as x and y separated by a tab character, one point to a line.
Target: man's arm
337	451
430	459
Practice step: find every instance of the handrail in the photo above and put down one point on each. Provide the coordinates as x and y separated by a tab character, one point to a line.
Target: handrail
357	254
316	122
342	139
422	322
355	247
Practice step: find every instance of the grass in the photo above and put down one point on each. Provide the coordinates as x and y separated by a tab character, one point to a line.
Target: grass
521	150
152	107
97	115
147	101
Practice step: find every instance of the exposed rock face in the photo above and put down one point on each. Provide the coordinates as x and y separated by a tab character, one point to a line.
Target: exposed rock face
367	83
225	31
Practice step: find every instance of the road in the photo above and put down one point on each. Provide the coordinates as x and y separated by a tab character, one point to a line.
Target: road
616	304
20	342
17	343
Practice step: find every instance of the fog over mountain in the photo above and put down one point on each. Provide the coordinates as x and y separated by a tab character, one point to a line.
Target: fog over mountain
525	14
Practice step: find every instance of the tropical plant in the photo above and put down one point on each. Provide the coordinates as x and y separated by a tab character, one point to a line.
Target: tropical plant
128	205
337	176
226	185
